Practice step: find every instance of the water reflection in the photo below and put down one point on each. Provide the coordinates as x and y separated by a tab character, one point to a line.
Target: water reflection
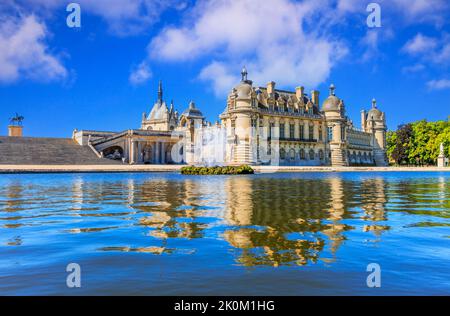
264	220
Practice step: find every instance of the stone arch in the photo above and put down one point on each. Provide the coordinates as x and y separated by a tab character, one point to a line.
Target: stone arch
282	153
292	154
302	154
183	122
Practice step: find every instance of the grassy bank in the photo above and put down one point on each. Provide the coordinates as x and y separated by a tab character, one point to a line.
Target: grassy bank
192	170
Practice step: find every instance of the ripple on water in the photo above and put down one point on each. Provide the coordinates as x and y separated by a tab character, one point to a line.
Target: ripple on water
228	224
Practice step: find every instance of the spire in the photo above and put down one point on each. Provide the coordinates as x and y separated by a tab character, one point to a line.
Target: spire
160	92
244	74
332	89
374	103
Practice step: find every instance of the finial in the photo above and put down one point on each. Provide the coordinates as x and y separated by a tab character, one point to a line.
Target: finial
374	103
191	105
332	89
244	74
160	92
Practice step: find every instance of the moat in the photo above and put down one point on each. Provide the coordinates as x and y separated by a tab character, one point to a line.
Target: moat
263	234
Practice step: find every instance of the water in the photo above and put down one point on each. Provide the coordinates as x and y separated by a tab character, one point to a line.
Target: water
273	234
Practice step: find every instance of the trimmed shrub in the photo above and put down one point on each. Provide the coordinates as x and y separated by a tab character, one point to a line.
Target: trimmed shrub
217	170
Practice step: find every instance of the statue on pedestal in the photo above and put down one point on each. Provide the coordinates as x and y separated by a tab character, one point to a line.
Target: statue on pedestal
441	157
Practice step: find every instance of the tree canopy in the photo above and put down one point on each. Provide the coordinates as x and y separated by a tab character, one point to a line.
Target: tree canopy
418	143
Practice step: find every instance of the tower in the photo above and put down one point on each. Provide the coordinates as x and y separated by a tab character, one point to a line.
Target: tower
240	126
374	122
334	111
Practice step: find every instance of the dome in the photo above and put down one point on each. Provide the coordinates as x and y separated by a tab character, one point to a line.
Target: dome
374	113
192	111
244	90
332	102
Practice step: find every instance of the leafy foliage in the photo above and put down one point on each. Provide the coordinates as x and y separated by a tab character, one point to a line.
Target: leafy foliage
192	170
418	143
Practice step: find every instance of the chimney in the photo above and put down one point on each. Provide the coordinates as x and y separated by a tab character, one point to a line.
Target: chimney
15	131
363	120
271	87
299	92
315	97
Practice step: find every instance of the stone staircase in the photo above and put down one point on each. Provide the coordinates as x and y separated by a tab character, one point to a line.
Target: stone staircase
47	151
338	158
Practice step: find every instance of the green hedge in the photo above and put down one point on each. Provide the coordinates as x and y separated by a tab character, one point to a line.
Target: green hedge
244	169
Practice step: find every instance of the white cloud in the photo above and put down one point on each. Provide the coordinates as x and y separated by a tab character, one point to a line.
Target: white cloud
24	53
440	84
420	44
413	68
219	75
409	11
140	74
124	17
432	49
267	36
415	11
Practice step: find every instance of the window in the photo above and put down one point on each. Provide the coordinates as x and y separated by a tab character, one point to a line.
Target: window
282	130
302	154
311	154
282	154
302	132
311	131
291	131
342	132
320	133
330	133
272	126
292	154
321	154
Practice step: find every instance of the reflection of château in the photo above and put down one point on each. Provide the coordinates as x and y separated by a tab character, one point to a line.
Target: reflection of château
307	218
260	125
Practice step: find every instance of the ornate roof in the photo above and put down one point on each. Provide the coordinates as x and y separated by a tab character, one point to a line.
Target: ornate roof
192	111
332	102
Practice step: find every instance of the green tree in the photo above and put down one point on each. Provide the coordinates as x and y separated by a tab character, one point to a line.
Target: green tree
418	143
400	153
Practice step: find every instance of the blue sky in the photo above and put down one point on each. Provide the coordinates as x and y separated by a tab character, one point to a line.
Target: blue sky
105	74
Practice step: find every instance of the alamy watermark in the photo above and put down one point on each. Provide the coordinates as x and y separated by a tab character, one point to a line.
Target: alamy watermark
73	279
74	18
374	278
374	18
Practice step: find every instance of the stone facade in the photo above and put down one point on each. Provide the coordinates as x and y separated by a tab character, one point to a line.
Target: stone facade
270	126
260	126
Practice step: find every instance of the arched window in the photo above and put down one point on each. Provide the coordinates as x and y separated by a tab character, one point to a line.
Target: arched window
365	156
292	154
321	154
302	153
311	154
282	154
